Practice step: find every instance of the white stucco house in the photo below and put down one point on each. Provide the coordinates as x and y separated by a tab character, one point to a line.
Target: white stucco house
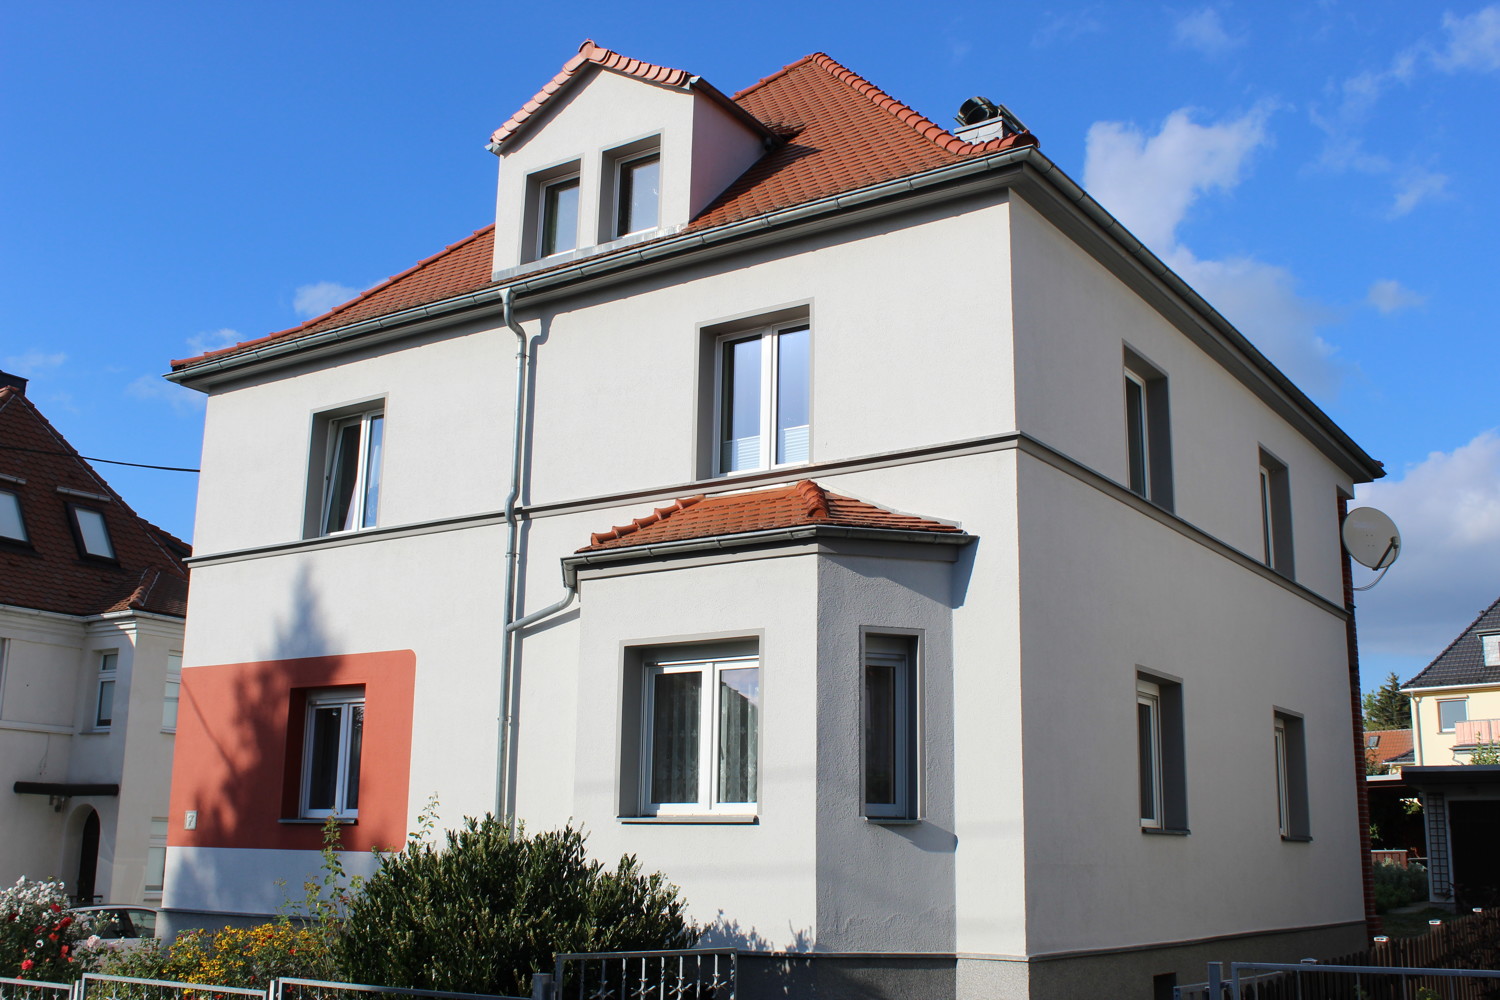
871	534
92	599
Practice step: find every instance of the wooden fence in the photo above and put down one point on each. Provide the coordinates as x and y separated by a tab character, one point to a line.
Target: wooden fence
1467	942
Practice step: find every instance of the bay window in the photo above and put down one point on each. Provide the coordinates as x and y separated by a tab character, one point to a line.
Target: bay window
700	733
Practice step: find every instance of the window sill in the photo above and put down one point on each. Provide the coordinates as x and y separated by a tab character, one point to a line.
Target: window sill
1296	838
319	820
892	820
95	731
702	818
1163	832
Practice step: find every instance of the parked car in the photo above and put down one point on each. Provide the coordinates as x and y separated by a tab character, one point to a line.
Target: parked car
117	926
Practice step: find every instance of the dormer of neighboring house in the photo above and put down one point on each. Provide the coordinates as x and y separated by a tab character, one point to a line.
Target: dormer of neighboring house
613	151
1455	701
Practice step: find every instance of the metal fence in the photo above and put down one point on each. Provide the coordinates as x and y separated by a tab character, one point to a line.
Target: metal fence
94	986
31	989
314	989
693	974
1305	981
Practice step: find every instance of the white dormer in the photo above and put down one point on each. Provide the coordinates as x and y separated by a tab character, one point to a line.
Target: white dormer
613	151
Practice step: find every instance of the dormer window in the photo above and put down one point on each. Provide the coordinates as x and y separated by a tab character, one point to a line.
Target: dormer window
91	532
637	193
11	525
559	216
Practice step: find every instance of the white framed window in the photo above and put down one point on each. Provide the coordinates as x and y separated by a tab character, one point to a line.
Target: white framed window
700	734
637	193
351	477
333	735
91	532
171	693
1148	748
104	700
763	398
1291	777
1275	515
1490	644
4	649
1160	755
557	216
1148	441
1452	711
890	716
156	857
12	525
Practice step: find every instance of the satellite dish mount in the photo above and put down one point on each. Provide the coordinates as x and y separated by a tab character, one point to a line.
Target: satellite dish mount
1371	539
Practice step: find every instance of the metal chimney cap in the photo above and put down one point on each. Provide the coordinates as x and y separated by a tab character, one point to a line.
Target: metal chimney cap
977	109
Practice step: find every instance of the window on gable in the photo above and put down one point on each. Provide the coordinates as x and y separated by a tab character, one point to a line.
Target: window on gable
1159	753
890	723
332	739
104	701
351	480
1451	712
763	416
91	532
1148	440
1275	515
558	223
11	524
1291	777
637	194
695	735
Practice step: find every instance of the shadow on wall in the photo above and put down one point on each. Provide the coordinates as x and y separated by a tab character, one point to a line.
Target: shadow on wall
766	972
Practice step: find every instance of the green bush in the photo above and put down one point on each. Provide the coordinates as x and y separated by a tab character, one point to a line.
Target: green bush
1396	886
488	909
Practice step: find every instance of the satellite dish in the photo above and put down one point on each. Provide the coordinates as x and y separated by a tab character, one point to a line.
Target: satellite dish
1371	538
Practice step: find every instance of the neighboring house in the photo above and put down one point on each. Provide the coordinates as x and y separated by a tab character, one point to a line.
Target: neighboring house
92	600
1387	749
1455	709
906	561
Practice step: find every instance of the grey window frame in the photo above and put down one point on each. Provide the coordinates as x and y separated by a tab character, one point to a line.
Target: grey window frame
108	674
1275	493
1462	702
1161	760
1290	745
24	538
900	652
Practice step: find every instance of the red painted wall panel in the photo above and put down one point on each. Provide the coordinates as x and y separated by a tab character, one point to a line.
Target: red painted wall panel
239	751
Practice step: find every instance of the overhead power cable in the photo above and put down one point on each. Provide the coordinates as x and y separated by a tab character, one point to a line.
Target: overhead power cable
86	458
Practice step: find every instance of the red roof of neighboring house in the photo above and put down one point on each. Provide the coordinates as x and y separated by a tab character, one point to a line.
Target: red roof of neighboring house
844	134
1388	744
48	571
796	505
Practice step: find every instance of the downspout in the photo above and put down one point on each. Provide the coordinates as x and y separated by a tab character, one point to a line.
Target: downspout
512	624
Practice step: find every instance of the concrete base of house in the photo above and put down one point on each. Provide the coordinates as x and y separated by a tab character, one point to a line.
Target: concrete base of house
1143	973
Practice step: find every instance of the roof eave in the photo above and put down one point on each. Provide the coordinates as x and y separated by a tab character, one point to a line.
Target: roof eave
571	564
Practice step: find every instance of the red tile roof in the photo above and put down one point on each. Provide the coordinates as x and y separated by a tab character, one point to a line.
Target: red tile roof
842	133
1389	743
797	505
48	572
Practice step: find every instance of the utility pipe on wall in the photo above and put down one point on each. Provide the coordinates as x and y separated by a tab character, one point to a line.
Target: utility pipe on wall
512	624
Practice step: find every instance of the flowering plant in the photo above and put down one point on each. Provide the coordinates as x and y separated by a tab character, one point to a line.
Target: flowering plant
38	937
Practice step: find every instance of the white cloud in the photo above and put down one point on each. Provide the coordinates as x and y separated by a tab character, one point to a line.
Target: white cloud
1448	510
1203	30
32	363
1067	27
1473	42
1416	186
316	299
1149	183
1389	295
213	340
154	387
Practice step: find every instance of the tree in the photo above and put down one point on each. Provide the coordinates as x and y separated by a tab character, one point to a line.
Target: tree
1387	707
484	912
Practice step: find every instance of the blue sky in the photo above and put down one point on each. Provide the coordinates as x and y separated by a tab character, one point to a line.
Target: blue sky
179	175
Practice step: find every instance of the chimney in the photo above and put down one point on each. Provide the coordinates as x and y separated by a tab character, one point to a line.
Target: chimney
15	382
981	119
